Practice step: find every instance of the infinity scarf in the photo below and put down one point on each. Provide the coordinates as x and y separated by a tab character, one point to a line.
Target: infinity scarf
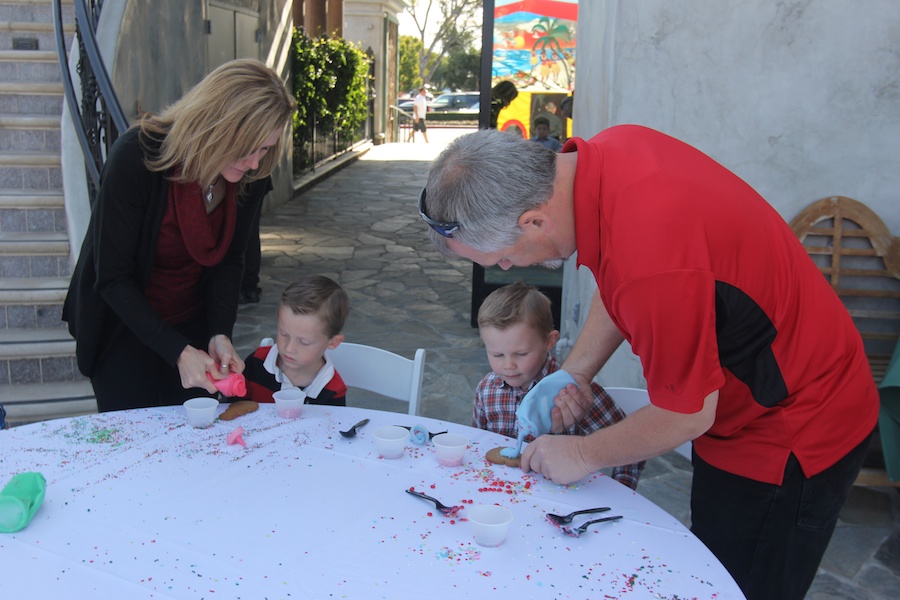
206	246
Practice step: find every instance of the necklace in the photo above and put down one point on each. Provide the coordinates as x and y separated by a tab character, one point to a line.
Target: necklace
209	191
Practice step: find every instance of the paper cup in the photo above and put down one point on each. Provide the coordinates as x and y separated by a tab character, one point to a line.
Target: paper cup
390	441
450	448
288	403
490	523
201	412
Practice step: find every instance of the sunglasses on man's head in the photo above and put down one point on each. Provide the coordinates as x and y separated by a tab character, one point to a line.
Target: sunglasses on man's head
445	228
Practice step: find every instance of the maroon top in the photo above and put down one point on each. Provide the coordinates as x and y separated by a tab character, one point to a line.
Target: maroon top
174	288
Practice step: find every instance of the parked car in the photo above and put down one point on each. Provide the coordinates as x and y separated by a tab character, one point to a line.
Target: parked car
456	102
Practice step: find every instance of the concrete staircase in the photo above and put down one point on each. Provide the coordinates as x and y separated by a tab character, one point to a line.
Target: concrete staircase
38	376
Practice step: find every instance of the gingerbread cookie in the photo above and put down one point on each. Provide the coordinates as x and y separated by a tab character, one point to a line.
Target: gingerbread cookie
494	456
239	408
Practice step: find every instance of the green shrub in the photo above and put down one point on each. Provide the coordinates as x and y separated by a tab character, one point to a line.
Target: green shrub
330	83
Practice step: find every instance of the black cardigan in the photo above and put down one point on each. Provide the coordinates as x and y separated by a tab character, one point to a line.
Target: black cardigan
118	252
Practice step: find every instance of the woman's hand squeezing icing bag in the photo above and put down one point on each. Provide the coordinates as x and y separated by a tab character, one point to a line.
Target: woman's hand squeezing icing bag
233	386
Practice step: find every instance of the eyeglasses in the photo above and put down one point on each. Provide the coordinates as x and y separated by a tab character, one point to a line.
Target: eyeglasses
445	228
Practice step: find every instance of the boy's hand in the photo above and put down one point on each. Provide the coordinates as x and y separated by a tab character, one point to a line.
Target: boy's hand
227	360
570	406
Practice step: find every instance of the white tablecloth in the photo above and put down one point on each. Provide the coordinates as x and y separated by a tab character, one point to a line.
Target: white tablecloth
141	505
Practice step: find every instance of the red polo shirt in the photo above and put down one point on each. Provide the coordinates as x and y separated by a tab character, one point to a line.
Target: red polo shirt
714	291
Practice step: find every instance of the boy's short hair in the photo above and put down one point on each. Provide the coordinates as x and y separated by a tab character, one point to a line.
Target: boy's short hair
542	121
517	303
318	295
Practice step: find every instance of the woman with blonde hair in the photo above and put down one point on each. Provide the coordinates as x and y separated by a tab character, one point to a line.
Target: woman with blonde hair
153	298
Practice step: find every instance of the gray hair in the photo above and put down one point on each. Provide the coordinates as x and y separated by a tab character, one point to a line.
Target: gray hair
485	181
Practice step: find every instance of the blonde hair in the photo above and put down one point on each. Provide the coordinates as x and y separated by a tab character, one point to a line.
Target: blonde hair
226	116
320	296
517	303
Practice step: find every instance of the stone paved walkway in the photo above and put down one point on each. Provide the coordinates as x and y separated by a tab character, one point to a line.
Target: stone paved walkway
359	226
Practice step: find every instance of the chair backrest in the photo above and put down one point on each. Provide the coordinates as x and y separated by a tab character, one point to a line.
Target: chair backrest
377	370
861	260
631	399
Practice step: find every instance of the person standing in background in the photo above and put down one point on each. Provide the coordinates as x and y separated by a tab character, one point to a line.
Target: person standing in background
420	107
542	135
502	96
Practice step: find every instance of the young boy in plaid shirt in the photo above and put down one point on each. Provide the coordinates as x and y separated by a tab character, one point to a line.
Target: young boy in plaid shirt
516	326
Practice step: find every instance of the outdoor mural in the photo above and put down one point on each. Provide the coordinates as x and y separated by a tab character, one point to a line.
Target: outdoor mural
534	50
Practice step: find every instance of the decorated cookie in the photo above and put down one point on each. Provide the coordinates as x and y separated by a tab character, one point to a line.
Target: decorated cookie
494	456
239	408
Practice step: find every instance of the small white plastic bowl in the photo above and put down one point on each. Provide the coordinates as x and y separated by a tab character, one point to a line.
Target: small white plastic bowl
450	448
490	523
390	441
201	412
288	403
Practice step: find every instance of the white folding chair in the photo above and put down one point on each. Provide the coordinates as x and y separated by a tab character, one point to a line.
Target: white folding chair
631	399
382	372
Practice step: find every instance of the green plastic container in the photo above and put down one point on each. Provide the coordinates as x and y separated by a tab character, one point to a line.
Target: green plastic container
20	499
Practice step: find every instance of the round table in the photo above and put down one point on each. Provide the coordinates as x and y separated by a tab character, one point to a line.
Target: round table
141	505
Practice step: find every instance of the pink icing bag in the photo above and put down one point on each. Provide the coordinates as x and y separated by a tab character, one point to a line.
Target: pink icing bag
234	385
237	437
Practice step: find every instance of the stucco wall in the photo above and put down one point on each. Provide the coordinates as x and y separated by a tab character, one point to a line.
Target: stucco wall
801	98
160	53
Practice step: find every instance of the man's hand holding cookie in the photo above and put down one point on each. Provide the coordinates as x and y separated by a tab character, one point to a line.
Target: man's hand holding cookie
559	458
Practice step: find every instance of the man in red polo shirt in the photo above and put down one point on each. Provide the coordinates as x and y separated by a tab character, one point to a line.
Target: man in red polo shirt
746	349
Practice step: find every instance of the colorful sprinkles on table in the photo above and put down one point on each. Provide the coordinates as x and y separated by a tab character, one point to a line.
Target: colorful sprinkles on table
112	451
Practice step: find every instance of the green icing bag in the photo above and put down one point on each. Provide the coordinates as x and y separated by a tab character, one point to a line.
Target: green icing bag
20	499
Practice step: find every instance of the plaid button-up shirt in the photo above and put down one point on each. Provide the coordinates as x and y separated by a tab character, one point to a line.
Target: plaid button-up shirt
496	403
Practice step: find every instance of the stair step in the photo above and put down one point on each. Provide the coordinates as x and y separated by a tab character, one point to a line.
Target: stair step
30	133
36	2
31	199
35	343
29	56
34	290
27	403
33	35
30	65
29	121
30	317
35	10
31	87
30	243
29	159
36	26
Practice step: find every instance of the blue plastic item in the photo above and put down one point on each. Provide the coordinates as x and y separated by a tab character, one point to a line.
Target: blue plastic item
533	414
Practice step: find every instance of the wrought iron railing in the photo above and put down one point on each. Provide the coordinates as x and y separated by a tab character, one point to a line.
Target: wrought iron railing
98	116
322	143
